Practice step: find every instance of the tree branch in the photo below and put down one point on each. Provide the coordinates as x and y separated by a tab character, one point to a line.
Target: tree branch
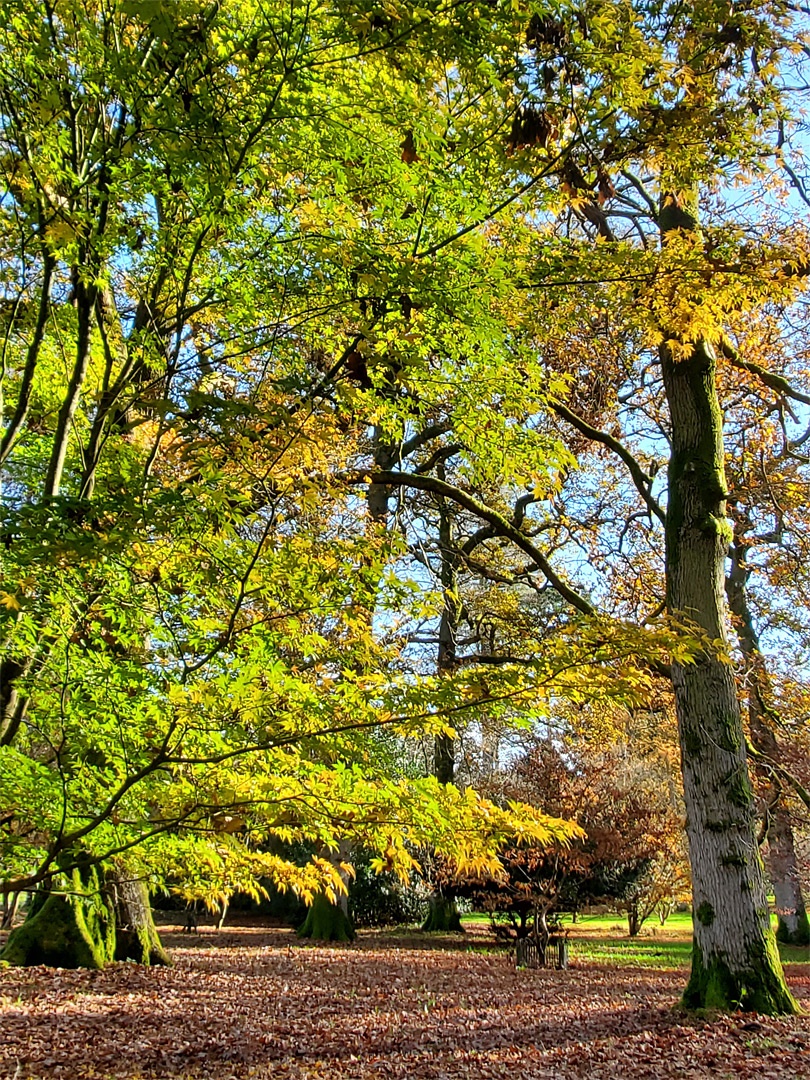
434	431
641	479
503	526
767	378
779	770
26	385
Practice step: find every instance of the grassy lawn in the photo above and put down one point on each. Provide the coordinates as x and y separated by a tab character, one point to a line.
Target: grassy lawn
637	952
603	939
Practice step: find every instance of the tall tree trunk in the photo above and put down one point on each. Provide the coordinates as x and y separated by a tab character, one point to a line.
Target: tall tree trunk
793	925
326	921
85	299
442	914
444	759
735	962
136	935
783	869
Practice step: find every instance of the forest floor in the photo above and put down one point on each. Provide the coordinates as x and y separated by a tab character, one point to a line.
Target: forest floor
253	1002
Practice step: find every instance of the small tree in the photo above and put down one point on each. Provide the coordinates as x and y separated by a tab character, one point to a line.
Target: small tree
631	852
662	882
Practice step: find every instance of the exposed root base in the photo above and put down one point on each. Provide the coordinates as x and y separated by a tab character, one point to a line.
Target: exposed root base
760	987
326	922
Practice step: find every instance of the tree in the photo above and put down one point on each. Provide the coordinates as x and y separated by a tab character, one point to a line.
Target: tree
187	661
793	925
718	107
243	289
767	476
623	796
726	967
442	914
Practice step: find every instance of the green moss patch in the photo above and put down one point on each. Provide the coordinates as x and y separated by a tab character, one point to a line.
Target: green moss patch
326	921
759	987
705	913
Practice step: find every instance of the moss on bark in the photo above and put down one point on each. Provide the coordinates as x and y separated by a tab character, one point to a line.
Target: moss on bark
136	935
760	987
143	945
442	917
705	913
68	930
326	921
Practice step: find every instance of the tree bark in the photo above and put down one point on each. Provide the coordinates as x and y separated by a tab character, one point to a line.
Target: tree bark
326	921
67	930
442	914
444	760
735	962
633	922
793	927
11	902
136	935
85	299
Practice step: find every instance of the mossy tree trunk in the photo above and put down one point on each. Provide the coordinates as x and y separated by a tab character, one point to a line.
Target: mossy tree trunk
735	962
136	935
326	921
783	868
70	929
442	916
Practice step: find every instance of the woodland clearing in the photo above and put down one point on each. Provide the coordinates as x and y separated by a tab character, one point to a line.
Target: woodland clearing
253	1001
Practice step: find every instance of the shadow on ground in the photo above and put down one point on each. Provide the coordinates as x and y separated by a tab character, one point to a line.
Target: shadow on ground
256	1002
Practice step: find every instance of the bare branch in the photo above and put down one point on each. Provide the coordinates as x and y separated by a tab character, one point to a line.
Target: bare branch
640	478
503	526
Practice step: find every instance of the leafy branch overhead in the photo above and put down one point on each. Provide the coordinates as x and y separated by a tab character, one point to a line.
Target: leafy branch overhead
334	334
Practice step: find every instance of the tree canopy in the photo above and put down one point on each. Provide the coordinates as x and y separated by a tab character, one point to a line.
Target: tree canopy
267	268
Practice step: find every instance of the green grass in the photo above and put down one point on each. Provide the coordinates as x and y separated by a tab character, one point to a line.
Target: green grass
679	923
794	954
603	939
475	918
663	953
637	952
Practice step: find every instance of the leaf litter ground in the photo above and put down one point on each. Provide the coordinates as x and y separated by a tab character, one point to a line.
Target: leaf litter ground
256	1003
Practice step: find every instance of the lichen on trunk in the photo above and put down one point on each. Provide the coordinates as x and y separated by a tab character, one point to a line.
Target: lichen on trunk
735	962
